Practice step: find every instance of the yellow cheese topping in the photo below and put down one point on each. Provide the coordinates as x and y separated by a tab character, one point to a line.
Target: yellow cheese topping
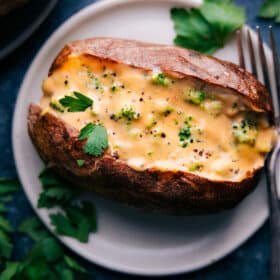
166	123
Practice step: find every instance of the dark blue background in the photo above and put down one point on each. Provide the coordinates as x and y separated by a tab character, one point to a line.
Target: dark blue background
248	262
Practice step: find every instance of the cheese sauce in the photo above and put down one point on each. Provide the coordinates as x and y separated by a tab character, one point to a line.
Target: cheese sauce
160	122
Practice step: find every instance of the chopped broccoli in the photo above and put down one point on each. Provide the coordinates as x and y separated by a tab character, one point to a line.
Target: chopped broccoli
195	167
160	79
195	96
245	132
129	114
185	136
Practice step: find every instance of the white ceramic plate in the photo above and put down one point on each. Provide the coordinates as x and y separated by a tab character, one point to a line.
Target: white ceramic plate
129	240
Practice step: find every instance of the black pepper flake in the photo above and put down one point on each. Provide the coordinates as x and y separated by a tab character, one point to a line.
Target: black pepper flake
114	74
66	82
141	99
191	140
163	135
200	153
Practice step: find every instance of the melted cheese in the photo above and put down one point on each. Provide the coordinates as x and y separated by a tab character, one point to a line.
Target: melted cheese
152	139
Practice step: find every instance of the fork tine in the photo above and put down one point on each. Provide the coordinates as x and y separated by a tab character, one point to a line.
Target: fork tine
276	64
240	49
264	68
252	54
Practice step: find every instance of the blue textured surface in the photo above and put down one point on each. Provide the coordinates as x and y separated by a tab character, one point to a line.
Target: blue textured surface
249	262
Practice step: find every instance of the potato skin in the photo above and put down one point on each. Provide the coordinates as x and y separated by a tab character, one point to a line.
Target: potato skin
183	62
169	192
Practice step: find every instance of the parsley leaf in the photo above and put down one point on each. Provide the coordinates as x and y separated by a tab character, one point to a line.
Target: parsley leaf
2	208
78	221
56	190
49	178
76	103
5	225
86	131
54	196
97	139
8	185
33	228
207	28
270	9
46	260
10	271
74	265
6	246
80	162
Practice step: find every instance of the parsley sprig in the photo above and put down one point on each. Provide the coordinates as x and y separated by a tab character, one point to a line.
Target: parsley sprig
46	259
7	187
76	103
207	28
76	218
270	9
97	139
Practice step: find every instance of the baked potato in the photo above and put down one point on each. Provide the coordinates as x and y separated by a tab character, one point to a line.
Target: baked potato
153	126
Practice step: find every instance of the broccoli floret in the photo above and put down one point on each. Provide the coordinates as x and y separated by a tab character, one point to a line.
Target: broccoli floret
245	132
129	114
195	96
195	167
160	79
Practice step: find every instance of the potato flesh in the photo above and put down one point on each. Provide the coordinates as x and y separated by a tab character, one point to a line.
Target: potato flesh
158	117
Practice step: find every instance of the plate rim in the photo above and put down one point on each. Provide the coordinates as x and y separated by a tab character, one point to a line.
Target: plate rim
14	44
92	10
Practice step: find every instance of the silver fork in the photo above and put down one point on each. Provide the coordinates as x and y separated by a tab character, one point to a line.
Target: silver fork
271	160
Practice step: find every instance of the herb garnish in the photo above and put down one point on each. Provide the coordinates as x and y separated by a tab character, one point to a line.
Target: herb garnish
207	28
97	139
195	167
245	132
129	114
160	79
46	259
184	136
195	96
270	9
76	103
7	186
185	133
80	162
77	219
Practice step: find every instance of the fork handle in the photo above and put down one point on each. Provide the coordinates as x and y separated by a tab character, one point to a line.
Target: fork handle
274	214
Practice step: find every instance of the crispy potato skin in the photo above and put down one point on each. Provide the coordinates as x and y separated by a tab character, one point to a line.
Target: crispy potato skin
186	63
169	192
